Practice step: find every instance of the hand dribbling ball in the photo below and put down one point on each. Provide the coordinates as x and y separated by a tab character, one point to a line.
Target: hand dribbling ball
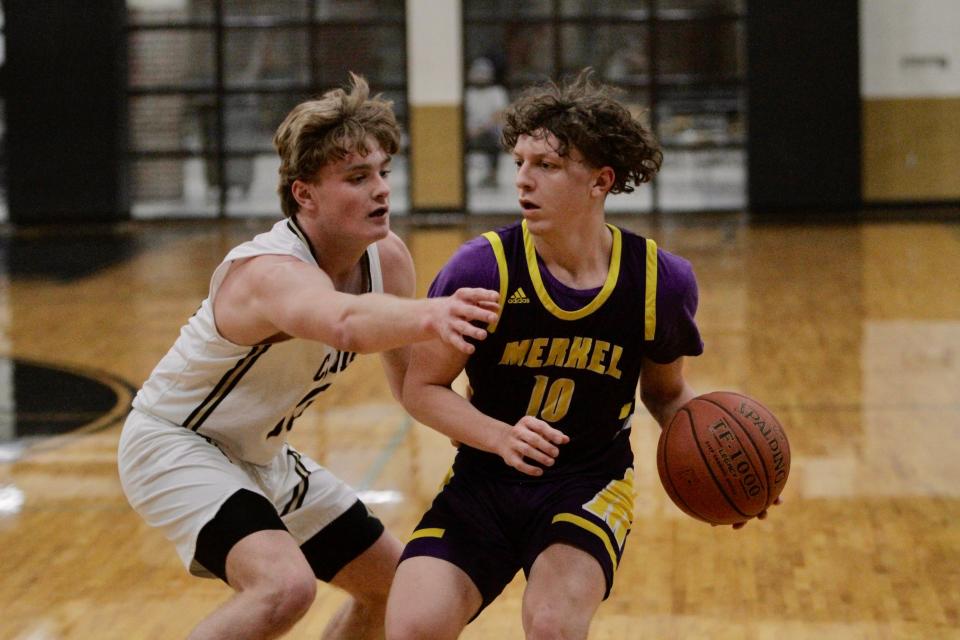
724	458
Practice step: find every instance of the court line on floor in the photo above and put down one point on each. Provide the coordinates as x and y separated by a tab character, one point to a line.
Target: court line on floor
373	473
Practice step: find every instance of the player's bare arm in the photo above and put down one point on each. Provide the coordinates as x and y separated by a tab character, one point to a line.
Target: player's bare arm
663	389
429	397
270	295
399	279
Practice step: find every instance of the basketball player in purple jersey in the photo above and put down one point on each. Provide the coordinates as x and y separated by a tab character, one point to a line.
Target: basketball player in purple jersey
543	479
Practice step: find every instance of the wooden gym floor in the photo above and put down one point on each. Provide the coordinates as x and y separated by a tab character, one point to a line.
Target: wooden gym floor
849	332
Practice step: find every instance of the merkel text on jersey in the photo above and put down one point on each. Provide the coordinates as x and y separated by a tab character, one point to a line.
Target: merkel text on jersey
577	352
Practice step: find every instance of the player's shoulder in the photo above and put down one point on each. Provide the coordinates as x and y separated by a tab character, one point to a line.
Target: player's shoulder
676	282
666	259
675	274
393	252
475	248
473	264
674	269
396	265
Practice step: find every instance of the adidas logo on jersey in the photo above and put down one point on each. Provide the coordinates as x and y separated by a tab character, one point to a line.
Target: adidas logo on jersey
518	297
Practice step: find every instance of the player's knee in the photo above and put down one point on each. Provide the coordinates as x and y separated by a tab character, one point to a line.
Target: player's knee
406	627
371	604
552	623
285	600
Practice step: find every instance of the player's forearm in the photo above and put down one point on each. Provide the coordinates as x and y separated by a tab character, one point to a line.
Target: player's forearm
375	322
664	407
445	411
367	323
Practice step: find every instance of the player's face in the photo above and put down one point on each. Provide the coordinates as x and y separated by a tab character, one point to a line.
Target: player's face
352	195
551	187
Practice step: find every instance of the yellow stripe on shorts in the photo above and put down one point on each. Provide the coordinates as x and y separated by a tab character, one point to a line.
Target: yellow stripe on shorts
432	532
583	523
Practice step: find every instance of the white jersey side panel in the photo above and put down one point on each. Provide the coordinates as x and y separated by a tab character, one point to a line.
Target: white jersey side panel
245	398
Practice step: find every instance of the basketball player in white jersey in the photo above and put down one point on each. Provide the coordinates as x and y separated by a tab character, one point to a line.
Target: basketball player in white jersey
203	455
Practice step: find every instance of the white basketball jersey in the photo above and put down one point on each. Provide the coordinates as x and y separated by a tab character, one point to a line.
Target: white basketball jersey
246	398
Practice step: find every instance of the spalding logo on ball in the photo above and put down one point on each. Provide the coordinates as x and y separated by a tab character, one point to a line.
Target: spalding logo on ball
724	458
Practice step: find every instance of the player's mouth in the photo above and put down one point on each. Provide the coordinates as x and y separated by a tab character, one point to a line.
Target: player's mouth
528	205
379	212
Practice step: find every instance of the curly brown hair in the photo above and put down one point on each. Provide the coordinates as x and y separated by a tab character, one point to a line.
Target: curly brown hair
586	115
317	132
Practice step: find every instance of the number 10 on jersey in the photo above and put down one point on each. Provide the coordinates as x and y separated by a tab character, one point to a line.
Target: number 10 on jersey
557	393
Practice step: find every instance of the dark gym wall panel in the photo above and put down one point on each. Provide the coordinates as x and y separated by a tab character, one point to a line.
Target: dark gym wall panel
803	74
66	110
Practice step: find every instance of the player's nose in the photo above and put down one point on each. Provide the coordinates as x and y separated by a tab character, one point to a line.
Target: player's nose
381	188
523	179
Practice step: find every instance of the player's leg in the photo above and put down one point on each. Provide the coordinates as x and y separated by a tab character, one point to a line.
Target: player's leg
274	588
221	523
367	579
457	561
345	544
564	588
574	548
431	599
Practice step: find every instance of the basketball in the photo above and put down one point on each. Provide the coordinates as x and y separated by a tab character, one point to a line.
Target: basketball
724	458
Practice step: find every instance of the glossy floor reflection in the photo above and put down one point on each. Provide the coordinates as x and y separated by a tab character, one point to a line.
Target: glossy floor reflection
849	333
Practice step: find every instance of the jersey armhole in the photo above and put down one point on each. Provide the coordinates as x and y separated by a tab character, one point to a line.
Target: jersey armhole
497	245
650	300
374	271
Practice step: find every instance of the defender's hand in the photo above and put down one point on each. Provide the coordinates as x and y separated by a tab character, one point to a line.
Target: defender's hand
532	438
450	317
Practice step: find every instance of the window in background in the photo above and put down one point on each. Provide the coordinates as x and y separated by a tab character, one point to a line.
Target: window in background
210	81
679	64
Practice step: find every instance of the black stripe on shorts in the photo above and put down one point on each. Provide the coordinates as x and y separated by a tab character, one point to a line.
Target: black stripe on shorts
342	541
243	513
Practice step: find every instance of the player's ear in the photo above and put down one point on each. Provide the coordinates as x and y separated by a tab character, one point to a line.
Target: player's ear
302	194
603	181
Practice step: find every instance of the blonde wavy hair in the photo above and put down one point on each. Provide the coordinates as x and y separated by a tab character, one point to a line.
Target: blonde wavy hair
317	132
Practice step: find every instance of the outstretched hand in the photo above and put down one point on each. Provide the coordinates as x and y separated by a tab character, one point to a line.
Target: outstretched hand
534	439
452	316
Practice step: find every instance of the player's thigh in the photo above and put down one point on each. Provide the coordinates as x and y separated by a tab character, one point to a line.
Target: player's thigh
430	598
465	527
591	513
268	558
564	588
177	480
369	576
333	527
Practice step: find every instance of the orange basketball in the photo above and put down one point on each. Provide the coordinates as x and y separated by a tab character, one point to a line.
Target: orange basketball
723	458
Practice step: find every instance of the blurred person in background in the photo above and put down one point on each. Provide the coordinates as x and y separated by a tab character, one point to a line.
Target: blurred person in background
484	102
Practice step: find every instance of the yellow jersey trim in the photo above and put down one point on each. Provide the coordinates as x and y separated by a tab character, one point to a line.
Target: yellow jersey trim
432	532
612	274
650	302
497	244
583	523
